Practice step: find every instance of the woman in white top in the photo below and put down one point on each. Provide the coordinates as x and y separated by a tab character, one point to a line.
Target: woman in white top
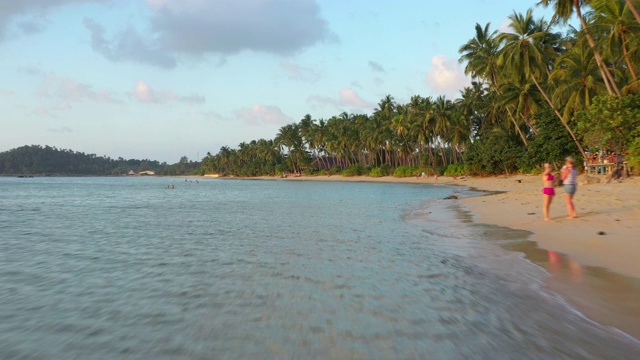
569	181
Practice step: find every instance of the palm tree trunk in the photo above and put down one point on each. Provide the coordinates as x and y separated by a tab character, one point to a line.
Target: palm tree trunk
604	79
625	51
634	11
573	136
443	155
432	159
524	139
596	53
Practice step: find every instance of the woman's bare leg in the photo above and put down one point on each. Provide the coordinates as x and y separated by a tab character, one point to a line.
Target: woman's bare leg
571	209
545	207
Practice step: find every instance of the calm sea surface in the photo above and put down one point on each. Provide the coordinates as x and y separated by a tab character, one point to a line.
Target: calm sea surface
124	268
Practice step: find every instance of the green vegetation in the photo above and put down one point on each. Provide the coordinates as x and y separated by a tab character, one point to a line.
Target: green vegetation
406	171
52	161
454	170
538	96
354	170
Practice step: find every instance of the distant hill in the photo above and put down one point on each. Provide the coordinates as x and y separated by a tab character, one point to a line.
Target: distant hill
47	160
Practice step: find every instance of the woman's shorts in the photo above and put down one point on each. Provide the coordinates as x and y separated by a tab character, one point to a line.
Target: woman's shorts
570	189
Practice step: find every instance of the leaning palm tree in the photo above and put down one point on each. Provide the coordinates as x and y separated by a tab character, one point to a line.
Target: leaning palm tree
523	96
611	21
564	10
577	79
634	10
525	56
481	54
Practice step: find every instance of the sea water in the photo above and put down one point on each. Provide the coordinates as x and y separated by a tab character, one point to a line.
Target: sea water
126	268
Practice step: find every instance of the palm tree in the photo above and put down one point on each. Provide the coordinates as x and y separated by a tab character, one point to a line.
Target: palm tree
442	116
611	20
224	156
481	54
526	57
633	10
577	79
524	97
459	132
306	128
289	137
564	9
386	110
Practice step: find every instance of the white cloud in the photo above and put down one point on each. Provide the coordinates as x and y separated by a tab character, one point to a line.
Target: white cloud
263	115
6	93
446	76
299	73
214	27
145	94
350	97
505	26
66	91
347	99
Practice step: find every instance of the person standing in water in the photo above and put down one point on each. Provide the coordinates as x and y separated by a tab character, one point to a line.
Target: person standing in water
569	181
548	192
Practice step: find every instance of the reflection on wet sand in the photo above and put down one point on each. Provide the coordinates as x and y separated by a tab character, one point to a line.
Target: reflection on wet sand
603	296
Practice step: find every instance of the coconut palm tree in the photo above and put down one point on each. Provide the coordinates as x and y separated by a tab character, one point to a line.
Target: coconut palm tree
577	79
634	10
481	54
525	55
442	121
289	137
458	132
386	110
564	10
524	97
612	21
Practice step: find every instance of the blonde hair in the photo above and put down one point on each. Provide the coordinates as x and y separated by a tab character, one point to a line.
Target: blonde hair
570	160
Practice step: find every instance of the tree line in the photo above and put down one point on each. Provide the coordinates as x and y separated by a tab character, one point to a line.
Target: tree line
47	160
541	91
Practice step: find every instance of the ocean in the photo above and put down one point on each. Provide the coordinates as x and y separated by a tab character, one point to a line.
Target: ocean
126	268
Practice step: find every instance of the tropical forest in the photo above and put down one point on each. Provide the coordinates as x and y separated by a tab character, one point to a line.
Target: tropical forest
542	90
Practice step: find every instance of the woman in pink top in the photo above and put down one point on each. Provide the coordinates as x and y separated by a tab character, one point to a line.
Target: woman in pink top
548	192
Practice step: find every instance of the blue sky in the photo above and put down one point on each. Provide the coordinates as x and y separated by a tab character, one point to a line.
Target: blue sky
164	78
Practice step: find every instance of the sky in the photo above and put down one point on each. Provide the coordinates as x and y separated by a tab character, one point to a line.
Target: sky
161	79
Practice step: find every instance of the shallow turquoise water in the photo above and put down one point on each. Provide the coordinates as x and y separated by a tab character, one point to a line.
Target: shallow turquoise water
125	268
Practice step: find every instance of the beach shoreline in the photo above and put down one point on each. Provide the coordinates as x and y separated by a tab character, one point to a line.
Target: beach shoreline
592	260
515	202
